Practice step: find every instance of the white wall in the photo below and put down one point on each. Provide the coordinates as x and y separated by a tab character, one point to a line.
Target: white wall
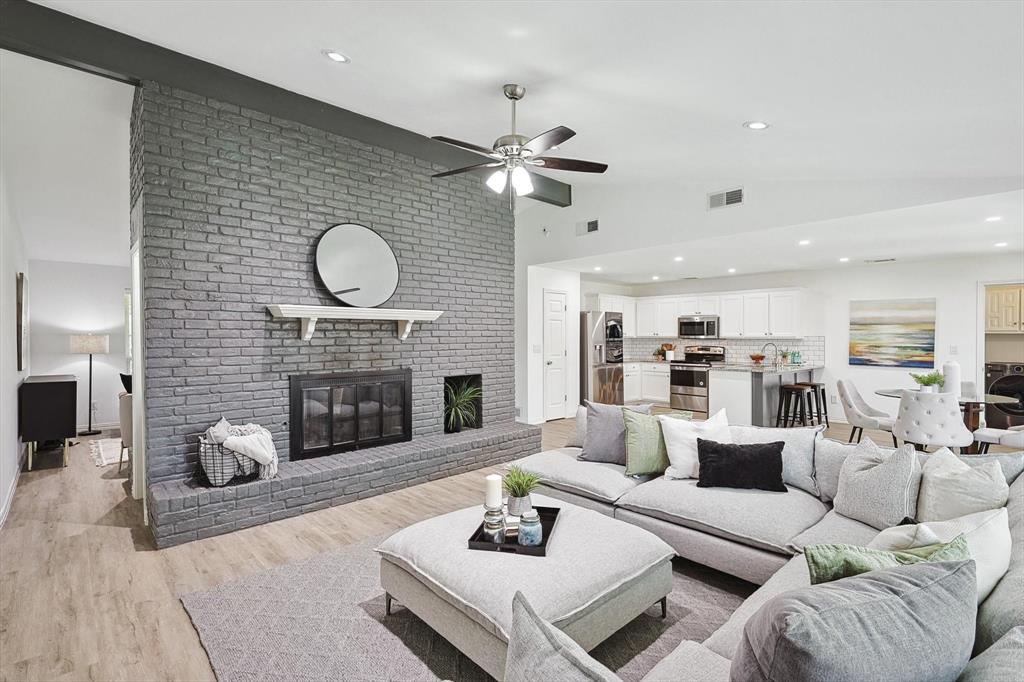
530	340
76	298
954	283
593	286
12	261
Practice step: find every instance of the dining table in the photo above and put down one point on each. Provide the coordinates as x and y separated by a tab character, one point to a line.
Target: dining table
972	405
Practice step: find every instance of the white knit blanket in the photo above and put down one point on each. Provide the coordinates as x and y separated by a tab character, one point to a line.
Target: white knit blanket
248	440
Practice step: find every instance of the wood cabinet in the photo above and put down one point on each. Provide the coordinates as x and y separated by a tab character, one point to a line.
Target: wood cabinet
1003	309
654	382
631	382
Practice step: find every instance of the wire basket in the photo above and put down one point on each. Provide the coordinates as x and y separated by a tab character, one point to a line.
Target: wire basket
222	465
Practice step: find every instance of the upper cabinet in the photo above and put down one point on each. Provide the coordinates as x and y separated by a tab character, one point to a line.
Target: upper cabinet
730	315
667	317
755	314
698	305
609	303
645	318
760	314
784	313
1003	309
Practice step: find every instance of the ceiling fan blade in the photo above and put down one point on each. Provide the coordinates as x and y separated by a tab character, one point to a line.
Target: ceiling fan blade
546	141
467	145
570	165
478	166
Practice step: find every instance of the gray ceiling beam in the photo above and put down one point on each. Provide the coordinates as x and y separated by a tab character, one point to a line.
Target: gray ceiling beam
41	32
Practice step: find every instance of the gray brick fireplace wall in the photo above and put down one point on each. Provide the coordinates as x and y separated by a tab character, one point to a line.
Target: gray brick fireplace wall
233	203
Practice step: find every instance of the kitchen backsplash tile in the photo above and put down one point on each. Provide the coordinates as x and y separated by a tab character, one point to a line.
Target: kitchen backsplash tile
641	348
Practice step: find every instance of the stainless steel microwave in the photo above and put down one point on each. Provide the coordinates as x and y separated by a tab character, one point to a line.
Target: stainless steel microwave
698	327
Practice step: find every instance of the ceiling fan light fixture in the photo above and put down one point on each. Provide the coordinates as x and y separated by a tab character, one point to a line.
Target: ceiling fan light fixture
521	181
755	125
497	181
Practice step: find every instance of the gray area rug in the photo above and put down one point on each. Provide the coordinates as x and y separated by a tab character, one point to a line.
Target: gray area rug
323	619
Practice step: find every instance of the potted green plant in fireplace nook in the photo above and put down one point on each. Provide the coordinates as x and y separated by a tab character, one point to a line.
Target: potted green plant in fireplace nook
930	382
460	400
519	483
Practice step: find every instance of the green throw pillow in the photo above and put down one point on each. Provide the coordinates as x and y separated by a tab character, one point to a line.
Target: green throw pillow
832	562
645	446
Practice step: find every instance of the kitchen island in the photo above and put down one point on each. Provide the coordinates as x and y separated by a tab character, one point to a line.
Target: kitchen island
750	393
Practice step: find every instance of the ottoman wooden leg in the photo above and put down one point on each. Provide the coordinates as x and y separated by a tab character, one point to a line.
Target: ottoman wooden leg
664	607
387	604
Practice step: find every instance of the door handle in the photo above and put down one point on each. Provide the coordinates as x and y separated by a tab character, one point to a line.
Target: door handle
551	362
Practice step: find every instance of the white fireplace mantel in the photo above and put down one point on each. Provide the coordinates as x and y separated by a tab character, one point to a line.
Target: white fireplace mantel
308	315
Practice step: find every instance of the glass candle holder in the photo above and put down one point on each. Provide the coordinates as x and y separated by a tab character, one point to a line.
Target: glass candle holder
530	531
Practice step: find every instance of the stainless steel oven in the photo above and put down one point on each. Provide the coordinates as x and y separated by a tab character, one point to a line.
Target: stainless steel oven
689	381
698	327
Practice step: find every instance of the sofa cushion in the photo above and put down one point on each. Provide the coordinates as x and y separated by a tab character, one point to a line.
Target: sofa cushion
605	438
1004	660
950	487
758	518
834	527
579	434
689	662
1012	463
572	578
537	650
561	469
877	488
797	455
859	628
1004	608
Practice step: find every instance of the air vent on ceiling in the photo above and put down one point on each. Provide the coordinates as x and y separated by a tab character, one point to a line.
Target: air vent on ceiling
880	260
586	227
691	277
729	197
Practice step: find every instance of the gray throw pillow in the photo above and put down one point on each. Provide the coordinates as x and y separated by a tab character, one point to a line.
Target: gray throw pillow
577	437
1004	660
538	650
879	488
605	440
797	455
908	624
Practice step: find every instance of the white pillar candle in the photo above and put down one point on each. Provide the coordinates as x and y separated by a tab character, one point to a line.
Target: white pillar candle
493	498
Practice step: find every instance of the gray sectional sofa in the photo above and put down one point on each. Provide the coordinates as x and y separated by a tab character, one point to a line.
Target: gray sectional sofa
758	535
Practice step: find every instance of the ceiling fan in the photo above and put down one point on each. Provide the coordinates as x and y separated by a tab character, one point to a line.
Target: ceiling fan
515	156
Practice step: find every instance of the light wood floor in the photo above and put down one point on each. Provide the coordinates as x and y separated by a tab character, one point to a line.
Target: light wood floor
85	596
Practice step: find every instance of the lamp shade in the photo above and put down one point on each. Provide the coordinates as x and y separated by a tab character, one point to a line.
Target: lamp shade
90	344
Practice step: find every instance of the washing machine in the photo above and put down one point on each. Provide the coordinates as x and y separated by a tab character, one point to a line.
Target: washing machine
1005	378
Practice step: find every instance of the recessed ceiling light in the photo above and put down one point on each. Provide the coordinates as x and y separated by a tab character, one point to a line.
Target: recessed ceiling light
844	259
1000	244
654	277
336	56
755	125
993	219
553	148
804	242
597	268
678	259
732	270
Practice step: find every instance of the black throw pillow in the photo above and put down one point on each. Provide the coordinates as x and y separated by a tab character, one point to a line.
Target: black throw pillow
734	465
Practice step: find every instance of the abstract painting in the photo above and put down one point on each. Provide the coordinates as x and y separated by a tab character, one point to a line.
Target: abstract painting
893	333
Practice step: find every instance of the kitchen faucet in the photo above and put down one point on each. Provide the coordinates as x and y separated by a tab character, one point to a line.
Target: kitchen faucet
775	356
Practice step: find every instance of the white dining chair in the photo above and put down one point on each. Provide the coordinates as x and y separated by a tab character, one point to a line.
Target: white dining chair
1012	437
859	414
931	420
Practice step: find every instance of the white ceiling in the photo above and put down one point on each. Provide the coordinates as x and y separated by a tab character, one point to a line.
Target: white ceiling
953	228
64	135
656	89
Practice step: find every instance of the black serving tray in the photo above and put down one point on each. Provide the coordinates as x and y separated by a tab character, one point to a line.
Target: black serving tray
548	517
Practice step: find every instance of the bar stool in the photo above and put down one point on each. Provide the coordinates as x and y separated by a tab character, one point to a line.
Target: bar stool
820	411
790	410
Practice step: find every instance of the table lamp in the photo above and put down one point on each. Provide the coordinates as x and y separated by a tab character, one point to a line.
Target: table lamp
90	344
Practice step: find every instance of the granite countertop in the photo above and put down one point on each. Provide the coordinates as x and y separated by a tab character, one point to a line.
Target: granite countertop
765	369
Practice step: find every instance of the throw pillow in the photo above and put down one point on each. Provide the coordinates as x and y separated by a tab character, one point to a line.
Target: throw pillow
832	562
797	456
750	465
951	488
645	446
605	439
1004	660
577	437
538	650
681	442
988	540
878	488
908	624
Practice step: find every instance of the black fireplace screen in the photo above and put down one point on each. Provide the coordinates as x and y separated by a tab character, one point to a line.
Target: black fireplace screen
349	410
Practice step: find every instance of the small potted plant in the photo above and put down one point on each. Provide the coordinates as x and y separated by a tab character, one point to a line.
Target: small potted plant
930	382
460	405
519	483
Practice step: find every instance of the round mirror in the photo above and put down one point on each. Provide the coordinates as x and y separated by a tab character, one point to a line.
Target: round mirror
357	265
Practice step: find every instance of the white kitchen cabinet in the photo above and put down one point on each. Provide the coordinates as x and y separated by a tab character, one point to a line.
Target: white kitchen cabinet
755	314
631	382
708	305
646	314
730	315
667	317
689	305
784	313
654	382
620	304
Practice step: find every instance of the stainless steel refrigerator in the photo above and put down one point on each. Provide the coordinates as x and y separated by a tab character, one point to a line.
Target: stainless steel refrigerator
601	357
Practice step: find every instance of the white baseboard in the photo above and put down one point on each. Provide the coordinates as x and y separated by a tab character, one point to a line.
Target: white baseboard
9	497
101	427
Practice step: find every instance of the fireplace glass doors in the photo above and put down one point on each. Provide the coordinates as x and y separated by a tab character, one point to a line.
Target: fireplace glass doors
349	410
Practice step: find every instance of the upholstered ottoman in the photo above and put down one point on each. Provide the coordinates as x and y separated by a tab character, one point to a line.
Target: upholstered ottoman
598	575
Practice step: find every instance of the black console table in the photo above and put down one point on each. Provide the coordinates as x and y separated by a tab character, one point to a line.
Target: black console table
46	411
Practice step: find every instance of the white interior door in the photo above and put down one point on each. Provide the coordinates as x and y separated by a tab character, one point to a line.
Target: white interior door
555	352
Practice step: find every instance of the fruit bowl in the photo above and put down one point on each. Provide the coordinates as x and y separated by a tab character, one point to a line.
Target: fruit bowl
758	358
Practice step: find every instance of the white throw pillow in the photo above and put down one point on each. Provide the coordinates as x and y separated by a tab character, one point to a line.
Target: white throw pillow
681	442
988	539
951	488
